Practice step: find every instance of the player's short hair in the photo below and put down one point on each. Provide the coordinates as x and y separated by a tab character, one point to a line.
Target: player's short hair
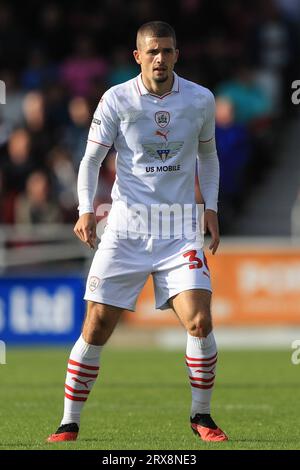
155	29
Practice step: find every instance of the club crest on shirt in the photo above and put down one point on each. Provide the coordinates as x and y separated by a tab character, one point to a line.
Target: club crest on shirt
163	151
162	118
94	282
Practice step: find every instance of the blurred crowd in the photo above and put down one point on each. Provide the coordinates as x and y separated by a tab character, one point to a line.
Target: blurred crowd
57	59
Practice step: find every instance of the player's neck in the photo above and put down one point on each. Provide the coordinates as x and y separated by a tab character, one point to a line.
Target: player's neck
159	88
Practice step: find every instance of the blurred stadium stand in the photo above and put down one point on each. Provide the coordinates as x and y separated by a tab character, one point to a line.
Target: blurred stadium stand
57	61
271	209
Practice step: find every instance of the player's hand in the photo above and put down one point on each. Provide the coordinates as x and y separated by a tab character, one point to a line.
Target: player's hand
212	225
85	229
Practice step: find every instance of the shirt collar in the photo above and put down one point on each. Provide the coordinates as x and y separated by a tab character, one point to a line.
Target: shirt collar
143	90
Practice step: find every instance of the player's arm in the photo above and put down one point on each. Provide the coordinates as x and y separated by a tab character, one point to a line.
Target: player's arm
85	228
208	174
102	133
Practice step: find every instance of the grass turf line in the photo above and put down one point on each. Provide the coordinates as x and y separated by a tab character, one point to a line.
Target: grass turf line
142	401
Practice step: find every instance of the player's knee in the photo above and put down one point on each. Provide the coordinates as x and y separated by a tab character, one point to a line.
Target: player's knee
201	325
96	324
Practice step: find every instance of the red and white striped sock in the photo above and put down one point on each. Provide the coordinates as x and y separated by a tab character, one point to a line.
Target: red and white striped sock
201	359
82	372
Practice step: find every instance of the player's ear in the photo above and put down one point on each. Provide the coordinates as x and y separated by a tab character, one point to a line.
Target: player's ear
176	55
136	55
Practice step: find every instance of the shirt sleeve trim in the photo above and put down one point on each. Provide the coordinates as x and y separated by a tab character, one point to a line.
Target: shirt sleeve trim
96	142
205	141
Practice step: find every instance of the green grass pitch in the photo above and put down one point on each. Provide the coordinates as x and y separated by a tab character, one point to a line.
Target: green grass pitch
142	399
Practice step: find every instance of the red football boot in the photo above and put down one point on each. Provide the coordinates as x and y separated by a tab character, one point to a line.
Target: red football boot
204	426
65	432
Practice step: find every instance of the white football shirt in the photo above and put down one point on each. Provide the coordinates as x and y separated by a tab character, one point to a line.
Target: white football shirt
156	139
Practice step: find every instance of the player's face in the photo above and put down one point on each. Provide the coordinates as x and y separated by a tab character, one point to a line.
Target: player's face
157	57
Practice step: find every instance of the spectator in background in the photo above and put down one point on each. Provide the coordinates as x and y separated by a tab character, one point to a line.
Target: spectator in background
4	132
34	110
122	67
253	108
64	181
76	133
6	202
38	72
56	102
35	206
249	100
18	162
37	126
234	151
274	49
78	71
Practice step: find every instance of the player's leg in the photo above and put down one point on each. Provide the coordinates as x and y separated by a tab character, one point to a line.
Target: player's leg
83	365
182	281
100	322
193	309
118	272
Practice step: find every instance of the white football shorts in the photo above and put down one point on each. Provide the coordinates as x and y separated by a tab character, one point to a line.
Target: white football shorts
121	267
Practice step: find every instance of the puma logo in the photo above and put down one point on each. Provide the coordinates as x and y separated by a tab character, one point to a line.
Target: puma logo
81	382
162	134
